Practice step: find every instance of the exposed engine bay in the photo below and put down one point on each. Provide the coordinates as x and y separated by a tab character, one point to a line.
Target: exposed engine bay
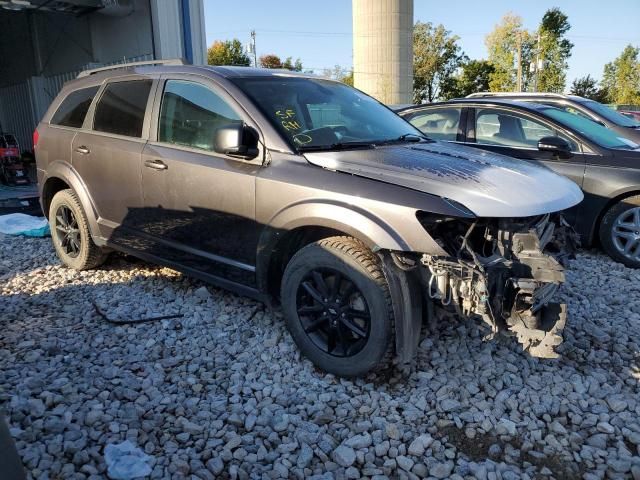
504	270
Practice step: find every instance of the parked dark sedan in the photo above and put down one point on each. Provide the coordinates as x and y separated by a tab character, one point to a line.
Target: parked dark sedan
605	165
584	107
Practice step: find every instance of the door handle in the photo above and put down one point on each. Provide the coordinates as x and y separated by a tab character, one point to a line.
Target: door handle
155	164
83	150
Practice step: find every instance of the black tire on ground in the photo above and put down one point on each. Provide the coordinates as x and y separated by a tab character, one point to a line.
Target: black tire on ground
608	224
67	215
366	303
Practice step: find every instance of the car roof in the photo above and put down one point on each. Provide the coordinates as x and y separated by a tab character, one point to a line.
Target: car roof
541	95
475	101
227	72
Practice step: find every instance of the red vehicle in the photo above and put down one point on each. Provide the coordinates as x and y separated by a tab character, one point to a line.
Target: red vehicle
12	169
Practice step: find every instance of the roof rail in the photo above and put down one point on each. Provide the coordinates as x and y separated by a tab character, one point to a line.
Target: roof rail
515	94
116	66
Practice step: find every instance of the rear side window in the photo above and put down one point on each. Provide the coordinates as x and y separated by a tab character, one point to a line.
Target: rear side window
439	124
121	108
73	109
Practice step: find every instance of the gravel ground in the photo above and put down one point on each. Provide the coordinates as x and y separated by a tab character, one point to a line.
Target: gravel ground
223	393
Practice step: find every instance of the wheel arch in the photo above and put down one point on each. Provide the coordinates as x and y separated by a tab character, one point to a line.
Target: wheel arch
617	198
302	224
61	176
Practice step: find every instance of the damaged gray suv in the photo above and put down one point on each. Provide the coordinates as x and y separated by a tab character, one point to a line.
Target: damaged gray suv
304	191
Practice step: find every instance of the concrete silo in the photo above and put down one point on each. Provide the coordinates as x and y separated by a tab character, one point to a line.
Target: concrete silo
383	49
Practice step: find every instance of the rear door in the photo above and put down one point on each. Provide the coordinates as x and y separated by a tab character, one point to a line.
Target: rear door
107	153
199	205
440	123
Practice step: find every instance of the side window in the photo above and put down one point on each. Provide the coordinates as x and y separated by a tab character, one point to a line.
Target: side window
191	113
496	127
121	108
439	124
74	107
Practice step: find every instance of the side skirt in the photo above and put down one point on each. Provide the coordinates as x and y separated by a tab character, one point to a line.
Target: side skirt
205	277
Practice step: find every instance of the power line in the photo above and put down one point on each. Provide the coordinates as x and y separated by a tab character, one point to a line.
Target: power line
350	34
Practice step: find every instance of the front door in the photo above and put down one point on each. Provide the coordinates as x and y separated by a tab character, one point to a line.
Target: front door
516	134
199	205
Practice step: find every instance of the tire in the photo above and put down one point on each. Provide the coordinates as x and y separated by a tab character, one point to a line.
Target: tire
620	232
77	250
360	322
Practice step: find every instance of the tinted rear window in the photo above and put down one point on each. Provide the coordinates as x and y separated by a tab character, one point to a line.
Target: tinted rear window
73	109
121	108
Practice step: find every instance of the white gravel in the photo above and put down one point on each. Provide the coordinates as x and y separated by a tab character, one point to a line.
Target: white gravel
223	392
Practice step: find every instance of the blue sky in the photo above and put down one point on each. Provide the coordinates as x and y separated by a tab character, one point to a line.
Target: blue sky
319	33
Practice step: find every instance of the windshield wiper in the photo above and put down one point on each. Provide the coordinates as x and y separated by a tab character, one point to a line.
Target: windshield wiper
407	137
335	146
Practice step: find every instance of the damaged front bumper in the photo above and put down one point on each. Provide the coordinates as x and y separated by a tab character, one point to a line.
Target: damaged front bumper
505	271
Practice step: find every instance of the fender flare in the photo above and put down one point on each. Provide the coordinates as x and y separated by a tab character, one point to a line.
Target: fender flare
65	172
375	233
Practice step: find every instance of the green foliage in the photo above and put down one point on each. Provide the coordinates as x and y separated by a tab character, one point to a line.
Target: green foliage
289	64
436	57
229	52
339	73
621	79
555	50
587	87
273	61
502	45
474	77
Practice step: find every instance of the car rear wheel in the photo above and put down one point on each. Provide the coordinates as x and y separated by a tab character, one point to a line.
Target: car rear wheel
337	306
70	233
620	231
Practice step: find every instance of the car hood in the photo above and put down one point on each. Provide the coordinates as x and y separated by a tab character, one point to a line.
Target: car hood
488	184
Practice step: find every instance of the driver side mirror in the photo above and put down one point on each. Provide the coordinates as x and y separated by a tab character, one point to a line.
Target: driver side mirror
555	145
236	140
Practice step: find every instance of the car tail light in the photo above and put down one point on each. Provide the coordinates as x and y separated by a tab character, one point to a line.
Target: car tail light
36	137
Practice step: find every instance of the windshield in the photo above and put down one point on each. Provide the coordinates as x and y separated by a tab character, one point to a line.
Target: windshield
610	114
593	131
314	114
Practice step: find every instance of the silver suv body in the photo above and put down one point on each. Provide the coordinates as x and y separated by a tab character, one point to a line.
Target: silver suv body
291	188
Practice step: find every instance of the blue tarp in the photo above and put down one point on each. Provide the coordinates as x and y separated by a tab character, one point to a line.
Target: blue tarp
21	224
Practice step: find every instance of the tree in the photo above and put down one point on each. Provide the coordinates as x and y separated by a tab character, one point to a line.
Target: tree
289	64
270	61
229	52
436	57
555	50
587	87
473	77
621	79
339	73
502	44
347	79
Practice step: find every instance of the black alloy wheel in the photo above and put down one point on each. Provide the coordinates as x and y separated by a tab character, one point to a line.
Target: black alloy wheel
67	231
70	233
333	312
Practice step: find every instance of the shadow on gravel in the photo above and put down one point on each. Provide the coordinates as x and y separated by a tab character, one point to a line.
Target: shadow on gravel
483	446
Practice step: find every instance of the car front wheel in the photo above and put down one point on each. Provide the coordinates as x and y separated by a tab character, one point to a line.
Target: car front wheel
620	231
337	306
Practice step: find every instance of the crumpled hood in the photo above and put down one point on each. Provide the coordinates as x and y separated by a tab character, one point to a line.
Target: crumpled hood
488	184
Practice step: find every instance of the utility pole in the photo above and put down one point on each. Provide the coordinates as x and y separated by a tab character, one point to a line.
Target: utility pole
252	48
519	82
535	85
